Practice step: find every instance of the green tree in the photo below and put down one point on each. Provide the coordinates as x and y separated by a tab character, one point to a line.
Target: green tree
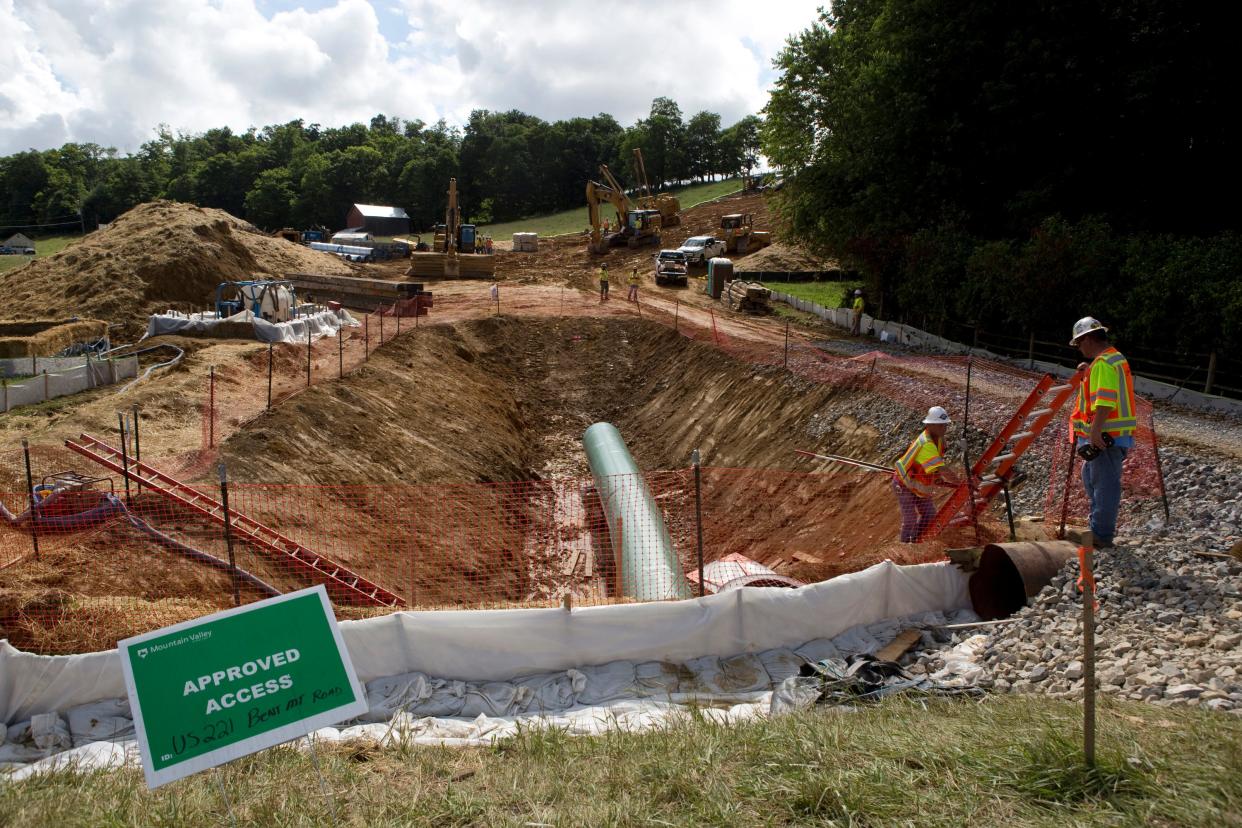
269	203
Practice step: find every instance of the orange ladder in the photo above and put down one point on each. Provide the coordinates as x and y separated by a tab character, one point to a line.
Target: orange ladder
343	585
993	466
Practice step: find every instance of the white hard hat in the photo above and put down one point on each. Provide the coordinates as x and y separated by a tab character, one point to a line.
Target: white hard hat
1085	326
936	416
858	293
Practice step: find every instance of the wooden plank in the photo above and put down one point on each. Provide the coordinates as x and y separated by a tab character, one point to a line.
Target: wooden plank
807	557
589	567
898	646
572	563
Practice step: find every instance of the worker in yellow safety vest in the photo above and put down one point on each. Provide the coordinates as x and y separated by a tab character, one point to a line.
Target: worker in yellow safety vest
633	281
917	473
1102	425
603	282
856	321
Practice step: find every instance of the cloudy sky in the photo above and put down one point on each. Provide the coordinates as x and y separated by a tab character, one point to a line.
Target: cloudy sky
111	71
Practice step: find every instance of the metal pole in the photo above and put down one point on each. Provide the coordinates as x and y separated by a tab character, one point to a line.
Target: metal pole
137	449
970	486
34	513
211	408
715	336
1030	356
381	319
397	312
677	316
228	534
270	359
1155	447
1211	373
120	421
698	512
340	353
1088	651
1069	475
786	343
1013	535
366	337
308	356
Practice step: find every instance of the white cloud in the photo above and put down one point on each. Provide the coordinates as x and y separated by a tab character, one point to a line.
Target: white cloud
110	72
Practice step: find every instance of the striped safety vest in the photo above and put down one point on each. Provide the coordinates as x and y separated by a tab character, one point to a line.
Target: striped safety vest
917	468
1109	386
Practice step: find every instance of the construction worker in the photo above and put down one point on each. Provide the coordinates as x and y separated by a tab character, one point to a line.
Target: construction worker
856	322
918	471
633	280
1103	425
603	283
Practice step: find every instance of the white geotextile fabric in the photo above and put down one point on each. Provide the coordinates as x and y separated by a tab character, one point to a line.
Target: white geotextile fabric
469	677
315	325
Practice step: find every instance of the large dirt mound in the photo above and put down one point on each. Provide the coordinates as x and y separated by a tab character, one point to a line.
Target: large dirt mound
157	255
784	258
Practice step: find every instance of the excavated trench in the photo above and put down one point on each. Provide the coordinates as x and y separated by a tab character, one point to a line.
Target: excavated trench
381	471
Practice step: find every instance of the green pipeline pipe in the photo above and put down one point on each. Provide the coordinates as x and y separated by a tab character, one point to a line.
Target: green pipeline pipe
649	570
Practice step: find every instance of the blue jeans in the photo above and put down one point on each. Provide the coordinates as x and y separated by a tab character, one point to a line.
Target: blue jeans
916	512
1101	478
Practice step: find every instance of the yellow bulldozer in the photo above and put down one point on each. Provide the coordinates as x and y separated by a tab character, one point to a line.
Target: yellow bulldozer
453	250
668	205
739	235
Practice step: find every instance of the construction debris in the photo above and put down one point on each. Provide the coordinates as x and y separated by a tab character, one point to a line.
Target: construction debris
526	242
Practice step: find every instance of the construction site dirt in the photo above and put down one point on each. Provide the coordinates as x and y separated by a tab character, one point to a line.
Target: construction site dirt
446	463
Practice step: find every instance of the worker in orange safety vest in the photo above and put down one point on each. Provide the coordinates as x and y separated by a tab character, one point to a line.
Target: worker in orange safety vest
1102	425
917	473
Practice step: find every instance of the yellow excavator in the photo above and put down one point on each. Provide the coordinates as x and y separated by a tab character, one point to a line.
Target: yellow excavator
453	251
634	227
668	205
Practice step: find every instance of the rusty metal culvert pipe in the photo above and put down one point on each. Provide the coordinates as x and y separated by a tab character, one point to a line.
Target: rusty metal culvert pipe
1009	573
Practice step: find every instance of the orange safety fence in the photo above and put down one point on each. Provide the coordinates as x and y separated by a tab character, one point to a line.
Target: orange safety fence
111	564
526	543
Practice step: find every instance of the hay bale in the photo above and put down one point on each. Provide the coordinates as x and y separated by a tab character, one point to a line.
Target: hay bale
47	338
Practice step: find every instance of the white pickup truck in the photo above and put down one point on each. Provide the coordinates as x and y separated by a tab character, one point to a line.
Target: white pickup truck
670	267
699	249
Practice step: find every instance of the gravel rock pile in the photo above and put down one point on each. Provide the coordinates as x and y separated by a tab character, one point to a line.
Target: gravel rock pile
1170	620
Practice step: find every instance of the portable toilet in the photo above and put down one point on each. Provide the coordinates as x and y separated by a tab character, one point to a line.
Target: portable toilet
466	238
719	271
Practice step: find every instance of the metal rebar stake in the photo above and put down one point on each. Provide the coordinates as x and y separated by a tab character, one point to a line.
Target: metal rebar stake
120	423
34	512
228	534
137	448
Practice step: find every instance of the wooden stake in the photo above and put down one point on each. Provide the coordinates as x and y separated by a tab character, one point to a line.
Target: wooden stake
1088	649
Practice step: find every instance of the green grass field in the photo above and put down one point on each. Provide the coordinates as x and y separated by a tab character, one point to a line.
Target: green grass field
828	294
45	246
1003	761
575	220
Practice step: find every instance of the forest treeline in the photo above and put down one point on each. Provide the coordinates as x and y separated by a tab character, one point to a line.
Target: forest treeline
1018	166
508	165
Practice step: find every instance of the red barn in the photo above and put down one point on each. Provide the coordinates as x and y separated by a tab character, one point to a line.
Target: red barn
377	220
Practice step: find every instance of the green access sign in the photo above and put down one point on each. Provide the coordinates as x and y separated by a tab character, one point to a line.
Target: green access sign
207	691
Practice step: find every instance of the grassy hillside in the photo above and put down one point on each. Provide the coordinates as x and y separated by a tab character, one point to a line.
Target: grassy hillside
45	246
827	294
1004	760
575	220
